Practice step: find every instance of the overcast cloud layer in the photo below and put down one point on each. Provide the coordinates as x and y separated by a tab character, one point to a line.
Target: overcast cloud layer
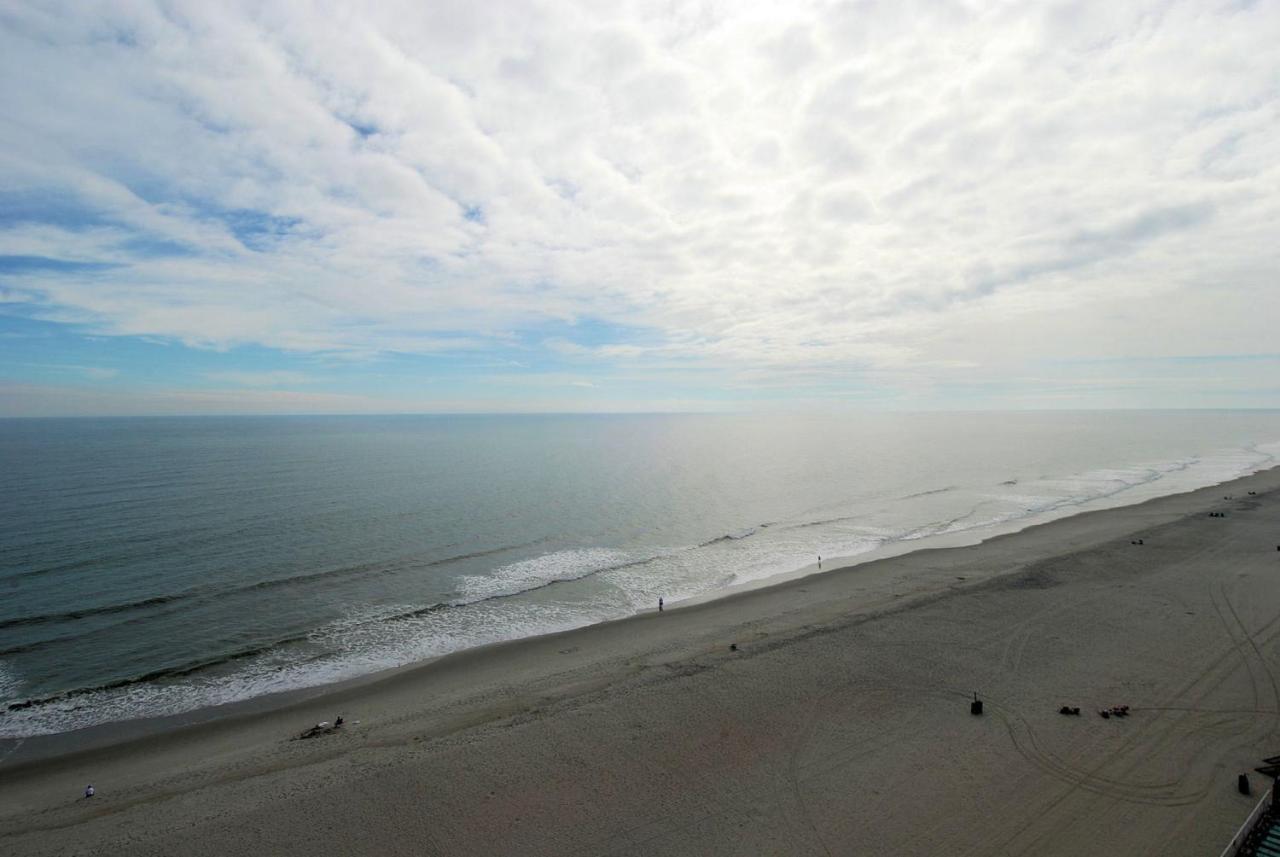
922	202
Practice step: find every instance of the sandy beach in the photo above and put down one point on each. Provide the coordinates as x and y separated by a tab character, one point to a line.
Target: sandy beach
840	724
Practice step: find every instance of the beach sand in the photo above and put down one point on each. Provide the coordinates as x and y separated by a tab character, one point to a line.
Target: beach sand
839	726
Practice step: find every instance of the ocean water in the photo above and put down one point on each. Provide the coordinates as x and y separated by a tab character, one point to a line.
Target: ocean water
153	566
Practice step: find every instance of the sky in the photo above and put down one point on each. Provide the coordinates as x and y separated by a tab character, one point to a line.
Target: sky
679	206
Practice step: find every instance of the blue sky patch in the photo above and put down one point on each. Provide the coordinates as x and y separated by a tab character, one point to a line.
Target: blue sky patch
258	230
45	265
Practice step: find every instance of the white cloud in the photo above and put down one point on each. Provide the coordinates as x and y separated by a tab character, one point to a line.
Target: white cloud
93	373
276	378
844	187
37	400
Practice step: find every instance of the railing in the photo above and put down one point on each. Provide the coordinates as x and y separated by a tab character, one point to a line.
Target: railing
1237	840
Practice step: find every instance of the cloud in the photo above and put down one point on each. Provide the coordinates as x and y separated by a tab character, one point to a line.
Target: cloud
94	373
38	400
847	188
277	378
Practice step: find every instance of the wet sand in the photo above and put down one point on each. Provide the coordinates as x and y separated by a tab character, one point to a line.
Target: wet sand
840	725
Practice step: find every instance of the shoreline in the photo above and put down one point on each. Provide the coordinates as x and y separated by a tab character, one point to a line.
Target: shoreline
227	760
37	748
349	637
360	636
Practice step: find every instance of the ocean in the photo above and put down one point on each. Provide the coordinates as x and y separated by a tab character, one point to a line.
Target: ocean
153	566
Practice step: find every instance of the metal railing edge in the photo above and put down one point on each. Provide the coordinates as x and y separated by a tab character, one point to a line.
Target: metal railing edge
1238	839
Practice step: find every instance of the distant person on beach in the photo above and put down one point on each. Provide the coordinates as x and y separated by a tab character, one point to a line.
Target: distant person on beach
88	791
659	603
819	560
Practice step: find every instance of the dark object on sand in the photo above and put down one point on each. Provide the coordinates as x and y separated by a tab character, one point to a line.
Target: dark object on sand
733	647
1069	710
1242	784
1114	711
975	707
1106	715
321	728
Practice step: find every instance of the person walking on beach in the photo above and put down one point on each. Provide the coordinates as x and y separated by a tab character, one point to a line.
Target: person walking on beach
659	603
88	792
